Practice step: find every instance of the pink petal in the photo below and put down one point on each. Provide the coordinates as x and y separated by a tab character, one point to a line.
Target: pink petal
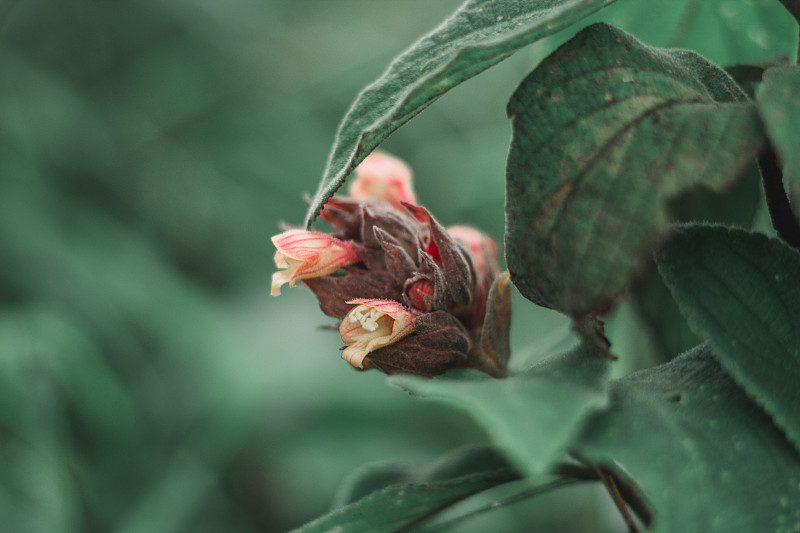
383	177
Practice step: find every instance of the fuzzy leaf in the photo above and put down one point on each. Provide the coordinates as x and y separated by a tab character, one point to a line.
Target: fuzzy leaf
779	103
531	415
481	33
741	292
606	131
706	457
407	496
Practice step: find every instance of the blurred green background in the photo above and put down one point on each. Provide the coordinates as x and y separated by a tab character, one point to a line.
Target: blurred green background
148	150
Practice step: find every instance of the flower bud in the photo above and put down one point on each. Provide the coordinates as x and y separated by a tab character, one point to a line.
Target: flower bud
495	347
373	324
483	248
420	293
383	177
308	254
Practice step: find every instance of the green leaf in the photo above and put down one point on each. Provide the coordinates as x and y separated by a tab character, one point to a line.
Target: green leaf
660	315
606	130
705	456
749	76
376	476
480	34
741	292
661	319
793	7
532	415
779	103
412	495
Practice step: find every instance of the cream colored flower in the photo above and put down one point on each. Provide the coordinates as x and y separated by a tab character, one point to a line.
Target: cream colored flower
373	324
308	254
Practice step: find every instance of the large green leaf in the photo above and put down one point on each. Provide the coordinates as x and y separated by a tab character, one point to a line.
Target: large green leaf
606	130
531	415
394	498
481	33
779	103
741	292
706	457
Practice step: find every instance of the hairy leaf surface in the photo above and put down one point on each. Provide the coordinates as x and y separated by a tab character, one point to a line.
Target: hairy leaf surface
606	131
706	457
531	415
741	292
481	33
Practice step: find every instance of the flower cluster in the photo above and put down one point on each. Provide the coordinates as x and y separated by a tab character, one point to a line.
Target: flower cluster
412	296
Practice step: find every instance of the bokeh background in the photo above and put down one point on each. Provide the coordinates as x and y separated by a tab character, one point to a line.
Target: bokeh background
148	150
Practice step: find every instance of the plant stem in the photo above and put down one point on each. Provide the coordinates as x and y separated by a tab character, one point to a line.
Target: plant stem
611	486
780	210
624	489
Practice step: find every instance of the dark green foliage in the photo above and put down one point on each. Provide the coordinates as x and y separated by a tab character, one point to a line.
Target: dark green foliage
740	291
704	455
148	150
386	498
606	130
613	142
532	415
779	106
393	497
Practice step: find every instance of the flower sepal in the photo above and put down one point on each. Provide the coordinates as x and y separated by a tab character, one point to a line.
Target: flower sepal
439	343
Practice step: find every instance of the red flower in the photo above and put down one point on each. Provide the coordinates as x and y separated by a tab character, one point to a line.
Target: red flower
383	177
426	299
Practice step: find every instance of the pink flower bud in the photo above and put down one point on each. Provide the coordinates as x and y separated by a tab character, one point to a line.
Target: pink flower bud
373	324
483	247
383	177
308	254
420	293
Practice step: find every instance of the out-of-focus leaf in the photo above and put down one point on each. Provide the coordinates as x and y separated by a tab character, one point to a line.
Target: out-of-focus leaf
422	493
605	130
481	33
652	299
779	103
741	292
661	318
726	32
464	519
532	415
793	7
706	457
376	476
749	76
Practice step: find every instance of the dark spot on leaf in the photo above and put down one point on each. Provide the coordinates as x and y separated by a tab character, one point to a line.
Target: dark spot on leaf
673	396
